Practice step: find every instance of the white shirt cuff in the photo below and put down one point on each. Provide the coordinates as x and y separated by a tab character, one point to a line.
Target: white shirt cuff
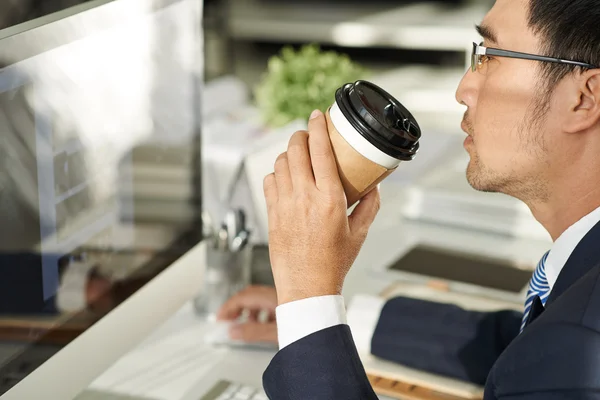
363	315
301	318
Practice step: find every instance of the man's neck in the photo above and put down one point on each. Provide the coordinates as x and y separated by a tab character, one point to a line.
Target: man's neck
559	213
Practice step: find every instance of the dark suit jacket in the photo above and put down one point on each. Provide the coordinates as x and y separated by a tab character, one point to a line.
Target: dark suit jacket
556	357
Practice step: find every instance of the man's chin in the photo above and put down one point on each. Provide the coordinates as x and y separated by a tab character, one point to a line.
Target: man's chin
477	178
473	181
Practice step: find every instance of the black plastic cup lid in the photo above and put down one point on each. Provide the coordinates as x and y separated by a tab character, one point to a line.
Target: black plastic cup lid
380	118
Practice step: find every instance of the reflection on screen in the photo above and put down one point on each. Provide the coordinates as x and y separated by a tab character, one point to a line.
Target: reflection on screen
98	191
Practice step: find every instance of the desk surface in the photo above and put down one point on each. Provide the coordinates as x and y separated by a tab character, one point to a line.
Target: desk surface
390	237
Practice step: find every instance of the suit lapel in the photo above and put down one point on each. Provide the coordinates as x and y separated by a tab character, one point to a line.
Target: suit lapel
585	256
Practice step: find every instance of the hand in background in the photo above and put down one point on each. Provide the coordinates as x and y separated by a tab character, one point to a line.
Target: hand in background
312	240
253	300
99	294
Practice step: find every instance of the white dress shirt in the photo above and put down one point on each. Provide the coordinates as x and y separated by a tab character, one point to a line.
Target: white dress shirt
301	318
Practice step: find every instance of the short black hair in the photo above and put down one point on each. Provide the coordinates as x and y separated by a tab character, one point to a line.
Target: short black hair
569	29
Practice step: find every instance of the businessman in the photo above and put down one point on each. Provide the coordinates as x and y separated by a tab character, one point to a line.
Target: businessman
533	126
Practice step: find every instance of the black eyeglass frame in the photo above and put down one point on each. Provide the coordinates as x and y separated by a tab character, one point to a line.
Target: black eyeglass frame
479	50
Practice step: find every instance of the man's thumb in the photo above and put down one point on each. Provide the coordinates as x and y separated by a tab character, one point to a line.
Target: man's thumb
254	332
365	212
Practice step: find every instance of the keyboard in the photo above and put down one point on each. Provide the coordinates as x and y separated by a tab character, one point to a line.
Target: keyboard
225	390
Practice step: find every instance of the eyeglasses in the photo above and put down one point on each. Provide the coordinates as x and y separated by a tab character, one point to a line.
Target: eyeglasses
481	54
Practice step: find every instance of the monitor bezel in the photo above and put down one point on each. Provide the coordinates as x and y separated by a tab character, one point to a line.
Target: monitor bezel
90	17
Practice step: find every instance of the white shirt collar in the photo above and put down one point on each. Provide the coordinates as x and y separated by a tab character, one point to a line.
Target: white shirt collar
566	244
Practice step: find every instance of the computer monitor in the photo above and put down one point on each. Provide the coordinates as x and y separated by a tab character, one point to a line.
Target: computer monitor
100	203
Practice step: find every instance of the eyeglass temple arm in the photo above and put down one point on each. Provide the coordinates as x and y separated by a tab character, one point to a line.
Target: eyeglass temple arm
526	56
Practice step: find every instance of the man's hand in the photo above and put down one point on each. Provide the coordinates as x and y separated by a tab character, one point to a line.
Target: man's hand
312	241
254	300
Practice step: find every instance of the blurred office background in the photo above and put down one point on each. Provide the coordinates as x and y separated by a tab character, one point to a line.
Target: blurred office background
417	49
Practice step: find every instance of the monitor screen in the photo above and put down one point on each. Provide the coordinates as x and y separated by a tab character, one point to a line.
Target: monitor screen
99	166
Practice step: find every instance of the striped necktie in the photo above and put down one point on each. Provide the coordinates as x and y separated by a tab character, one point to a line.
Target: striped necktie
538	286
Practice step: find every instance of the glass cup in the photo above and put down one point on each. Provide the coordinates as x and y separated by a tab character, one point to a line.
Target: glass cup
227	272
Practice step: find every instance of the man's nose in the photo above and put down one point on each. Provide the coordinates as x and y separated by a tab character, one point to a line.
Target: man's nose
468	91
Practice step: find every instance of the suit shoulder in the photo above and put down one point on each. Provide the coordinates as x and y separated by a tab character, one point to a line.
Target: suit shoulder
553	357
578	305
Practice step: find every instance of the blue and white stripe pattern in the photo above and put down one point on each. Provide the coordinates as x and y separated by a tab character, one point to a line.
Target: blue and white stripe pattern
538	286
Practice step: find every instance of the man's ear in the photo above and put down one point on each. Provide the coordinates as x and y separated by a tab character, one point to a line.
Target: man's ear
583	102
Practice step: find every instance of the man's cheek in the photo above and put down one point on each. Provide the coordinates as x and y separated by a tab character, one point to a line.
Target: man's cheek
485	143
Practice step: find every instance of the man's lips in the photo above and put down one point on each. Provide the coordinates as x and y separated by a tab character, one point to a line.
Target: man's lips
465	127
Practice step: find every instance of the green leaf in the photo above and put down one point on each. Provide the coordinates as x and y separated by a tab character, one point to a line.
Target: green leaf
297	82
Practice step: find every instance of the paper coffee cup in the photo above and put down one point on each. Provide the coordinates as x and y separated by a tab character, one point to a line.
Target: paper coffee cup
371	134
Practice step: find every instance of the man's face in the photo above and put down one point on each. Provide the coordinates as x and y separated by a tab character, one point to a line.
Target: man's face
507	139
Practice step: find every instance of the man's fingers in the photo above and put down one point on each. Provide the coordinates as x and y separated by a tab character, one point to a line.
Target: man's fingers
299	161
254	332
321	154
231	309
251	298
282	174
365	212
270	189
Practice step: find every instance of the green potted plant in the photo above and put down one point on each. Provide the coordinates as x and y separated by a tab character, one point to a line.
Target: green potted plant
297	82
